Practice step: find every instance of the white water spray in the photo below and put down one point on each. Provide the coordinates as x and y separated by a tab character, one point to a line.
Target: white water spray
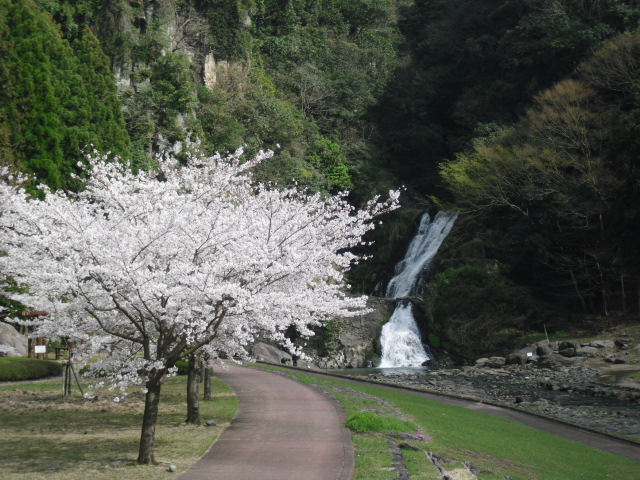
400	338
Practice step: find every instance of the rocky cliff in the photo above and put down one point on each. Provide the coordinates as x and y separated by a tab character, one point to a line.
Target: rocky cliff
354	343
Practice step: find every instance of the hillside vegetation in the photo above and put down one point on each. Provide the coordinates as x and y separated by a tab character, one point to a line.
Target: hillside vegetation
523	114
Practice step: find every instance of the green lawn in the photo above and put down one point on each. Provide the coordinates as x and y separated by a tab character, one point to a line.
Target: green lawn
498	447
43	436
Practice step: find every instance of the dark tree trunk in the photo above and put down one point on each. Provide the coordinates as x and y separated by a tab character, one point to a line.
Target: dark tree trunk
148	435
193	390
639	297
577	287
207	382
624	295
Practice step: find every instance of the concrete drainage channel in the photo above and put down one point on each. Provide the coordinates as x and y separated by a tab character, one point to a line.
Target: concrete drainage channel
467	470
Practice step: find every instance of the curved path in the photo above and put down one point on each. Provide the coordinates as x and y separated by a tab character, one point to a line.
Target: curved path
283	429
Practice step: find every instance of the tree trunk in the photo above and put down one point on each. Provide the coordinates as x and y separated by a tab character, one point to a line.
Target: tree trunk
148	436
193	390
624	295
207	382
578	294
639	297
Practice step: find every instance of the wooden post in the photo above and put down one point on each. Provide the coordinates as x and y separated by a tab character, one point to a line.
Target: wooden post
40	341
29	343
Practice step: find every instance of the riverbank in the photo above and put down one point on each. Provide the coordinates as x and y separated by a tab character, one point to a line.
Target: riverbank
576	395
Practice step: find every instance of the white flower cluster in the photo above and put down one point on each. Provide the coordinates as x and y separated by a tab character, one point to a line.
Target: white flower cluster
141	271
8	350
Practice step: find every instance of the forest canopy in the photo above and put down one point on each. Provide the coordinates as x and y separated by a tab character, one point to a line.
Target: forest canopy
523	114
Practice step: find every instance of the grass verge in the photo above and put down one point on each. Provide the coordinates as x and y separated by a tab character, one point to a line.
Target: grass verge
497	447
43	436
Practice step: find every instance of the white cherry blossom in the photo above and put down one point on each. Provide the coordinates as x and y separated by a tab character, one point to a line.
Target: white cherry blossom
144	269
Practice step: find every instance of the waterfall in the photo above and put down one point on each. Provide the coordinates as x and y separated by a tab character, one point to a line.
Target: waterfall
400	337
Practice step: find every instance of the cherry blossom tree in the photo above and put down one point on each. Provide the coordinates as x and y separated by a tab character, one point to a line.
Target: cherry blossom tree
150	268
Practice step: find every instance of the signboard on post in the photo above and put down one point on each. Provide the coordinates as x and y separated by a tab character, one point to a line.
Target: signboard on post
39	342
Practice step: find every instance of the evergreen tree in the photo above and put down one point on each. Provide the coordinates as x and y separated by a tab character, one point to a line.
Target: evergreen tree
105	110
54	103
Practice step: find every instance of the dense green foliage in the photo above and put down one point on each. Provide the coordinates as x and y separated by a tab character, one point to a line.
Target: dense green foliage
14	369
54	101
297	76
477	310
536	105
563	186
475	65
522	113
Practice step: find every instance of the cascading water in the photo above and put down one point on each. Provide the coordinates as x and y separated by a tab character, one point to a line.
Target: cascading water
400	338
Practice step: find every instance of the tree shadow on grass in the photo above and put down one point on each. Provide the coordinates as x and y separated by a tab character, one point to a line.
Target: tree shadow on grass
50	455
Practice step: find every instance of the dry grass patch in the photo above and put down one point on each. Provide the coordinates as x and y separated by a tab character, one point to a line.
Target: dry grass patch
43	436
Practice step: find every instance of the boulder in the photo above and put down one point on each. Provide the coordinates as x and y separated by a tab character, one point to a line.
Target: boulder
518	358
268	353
543	350
587	351
555	345
565	344
622	342
10	336
482	362
608	344
568	352
555	361
330	362
493	362
497	362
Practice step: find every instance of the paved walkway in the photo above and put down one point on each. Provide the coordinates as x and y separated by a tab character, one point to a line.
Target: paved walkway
283	430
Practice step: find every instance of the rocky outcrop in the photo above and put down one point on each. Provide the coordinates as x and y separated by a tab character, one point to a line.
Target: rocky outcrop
354	346
264	352
566	353
9	336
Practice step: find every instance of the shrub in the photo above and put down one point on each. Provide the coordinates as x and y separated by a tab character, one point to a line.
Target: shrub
13	369
369	422
183	366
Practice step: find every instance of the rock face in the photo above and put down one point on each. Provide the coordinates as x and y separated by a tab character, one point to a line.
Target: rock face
355	343
10	336
268	353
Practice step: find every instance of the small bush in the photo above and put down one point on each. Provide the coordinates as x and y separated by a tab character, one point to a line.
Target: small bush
369	422
434	340
13	369
183	366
